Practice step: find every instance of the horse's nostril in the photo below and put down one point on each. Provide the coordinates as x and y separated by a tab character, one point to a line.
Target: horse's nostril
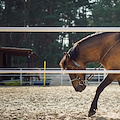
76	89
80	88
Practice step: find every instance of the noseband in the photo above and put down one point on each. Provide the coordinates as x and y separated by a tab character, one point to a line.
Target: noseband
81	82
81	86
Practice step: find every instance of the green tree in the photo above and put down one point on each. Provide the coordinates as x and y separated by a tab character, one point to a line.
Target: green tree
43	13
106	13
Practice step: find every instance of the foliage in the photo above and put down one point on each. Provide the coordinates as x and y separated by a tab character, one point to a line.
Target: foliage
106	13
50	46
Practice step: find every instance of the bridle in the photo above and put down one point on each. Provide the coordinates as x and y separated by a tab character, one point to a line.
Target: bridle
82	82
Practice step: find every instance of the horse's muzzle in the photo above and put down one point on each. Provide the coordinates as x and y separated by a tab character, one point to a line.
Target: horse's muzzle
80	88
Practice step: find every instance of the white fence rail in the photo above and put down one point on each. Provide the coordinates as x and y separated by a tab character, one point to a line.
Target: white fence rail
55	76
59	29
37	71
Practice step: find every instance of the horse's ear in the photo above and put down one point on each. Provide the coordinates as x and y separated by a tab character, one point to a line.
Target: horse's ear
67	56
64	53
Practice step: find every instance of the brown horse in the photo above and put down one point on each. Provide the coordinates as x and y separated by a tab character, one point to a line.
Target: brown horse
102	48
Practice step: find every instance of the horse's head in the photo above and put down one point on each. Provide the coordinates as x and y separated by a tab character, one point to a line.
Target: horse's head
78	80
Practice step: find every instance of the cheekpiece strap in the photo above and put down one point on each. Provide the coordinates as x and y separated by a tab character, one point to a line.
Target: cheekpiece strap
76	64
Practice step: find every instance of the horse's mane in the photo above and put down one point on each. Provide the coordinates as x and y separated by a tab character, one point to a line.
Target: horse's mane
74	51
90	36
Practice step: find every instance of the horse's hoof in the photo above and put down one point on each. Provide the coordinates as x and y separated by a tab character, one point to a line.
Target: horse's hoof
91	113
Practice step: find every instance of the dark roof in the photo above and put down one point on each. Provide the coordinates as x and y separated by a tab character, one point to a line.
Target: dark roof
18	51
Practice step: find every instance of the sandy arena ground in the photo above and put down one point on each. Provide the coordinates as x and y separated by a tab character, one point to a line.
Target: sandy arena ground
57	103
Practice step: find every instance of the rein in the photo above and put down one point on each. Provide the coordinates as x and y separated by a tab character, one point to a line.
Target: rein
92	75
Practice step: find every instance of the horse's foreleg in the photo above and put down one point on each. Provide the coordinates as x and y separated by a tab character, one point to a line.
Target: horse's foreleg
100	88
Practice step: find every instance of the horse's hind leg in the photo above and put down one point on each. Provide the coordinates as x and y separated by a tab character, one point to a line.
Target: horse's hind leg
100	88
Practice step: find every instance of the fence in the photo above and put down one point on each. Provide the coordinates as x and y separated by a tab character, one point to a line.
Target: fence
37	78
57	29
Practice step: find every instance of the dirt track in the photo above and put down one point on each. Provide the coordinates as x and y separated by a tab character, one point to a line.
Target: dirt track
57	103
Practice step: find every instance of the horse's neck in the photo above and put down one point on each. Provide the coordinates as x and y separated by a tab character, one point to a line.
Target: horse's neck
90	53
93	50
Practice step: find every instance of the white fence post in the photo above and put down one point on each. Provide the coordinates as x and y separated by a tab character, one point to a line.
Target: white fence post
21	77
105	74
61	78
98	77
